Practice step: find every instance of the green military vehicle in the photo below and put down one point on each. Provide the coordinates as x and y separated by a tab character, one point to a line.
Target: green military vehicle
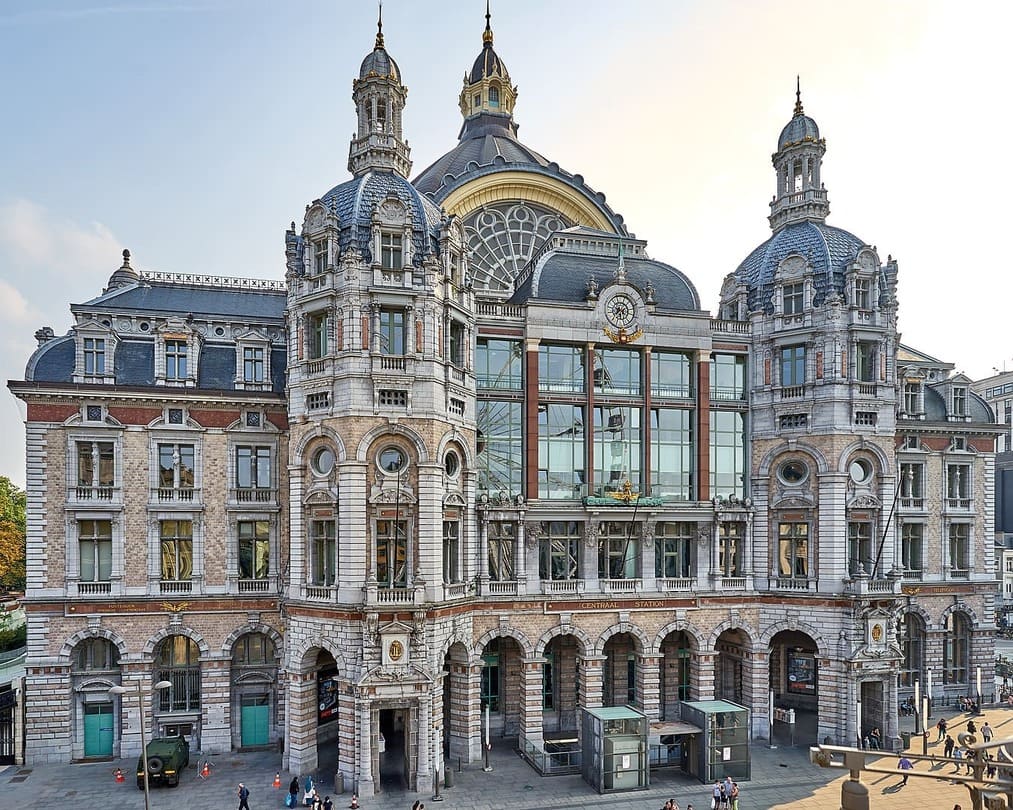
165	758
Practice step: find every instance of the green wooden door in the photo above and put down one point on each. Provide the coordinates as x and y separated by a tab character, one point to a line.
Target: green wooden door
98	729
253	720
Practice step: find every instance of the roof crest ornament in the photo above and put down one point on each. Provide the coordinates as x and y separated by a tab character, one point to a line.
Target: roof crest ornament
487	34
620	273
379	26
798	95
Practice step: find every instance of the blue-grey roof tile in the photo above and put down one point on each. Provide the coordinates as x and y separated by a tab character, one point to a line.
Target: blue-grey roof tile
53	361
135	362
216	368
170	299
279	363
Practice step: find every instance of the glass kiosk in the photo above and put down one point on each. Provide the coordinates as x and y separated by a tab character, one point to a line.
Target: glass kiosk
614	749
724	747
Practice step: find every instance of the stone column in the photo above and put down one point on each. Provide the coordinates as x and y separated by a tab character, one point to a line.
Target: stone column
649	685
301	720
589	556
483	552
215	733
531	702
756	690
589	681
520	567
365	781
425	749
701	675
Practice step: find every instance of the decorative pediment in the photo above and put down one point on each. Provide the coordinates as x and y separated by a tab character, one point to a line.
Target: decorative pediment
792	267
794	499
454	500
864	502
391	211
319	218
390	493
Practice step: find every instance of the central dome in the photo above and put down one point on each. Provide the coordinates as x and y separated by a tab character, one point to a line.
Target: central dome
379	63
800	128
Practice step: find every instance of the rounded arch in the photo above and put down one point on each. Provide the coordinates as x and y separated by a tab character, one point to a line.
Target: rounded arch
417	442
960	607
176	630
319	432
772	455
676	627
917	610
461	445
767	636
861	445
502	632
265	629
67	650
624	627
300	662
457	638
96	685
583	639
728	624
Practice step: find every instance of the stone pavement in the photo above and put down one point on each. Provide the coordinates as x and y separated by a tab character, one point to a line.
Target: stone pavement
781	778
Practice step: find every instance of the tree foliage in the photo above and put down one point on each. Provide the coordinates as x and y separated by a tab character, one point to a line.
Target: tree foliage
12	536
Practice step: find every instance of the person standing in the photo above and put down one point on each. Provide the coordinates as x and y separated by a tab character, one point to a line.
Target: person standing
735	796
244	795
328	804
948	746
941	728
293	792
905	765
971	727
986	732
716	796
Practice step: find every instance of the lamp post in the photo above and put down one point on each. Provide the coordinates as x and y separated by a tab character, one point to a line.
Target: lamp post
122	690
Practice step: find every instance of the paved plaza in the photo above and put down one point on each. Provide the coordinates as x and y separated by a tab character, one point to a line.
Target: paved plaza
781	778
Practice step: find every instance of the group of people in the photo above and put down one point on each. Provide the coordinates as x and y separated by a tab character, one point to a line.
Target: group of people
874	739
311	798
966	704
725	795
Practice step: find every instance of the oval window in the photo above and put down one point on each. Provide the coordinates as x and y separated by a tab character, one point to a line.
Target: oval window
323	461
860	471
392	460
793	472
451	463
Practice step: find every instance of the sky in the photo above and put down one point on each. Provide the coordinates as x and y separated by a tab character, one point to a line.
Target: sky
193	131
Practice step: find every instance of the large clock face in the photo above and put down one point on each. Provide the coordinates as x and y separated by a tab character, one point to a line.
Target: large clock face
620	310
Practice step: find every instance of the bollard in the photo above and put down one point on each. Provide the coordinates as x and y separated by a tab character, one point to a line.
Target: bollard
448	777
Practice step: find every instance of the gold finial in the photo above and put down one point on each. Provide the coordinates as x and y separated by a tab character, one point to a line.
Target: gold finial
798	95
487	34
379	28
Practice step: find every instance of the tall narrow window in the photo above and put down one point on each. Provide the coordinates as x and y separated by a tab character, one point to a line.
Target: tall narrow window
499	447
493	96
254	549
95	470
457	339
618	550
865	362
94	356
912	484
911	548
549	681
863	293
253	471
674	550
451	551
178	662
912	398
392	553
793	549
912	633
177	550
502	538
390	251
956	645
731	536
958	486
793	298
175	472
617	448
560	451
861	558
959	401
490	680
320	256
960	554
728	377
559	549
95	550
317	328
793	366
672	453
392	331
322	552
728	453
175	359
253	364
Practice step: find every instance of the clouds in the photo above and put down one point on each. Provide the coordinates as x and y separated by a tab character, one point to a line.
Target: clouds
47	261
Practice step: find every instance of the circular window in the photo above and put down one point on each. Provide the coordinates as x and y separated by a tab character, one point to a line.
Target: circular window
793	472
144	327
860	471
323	461
219	331
451	463
392	460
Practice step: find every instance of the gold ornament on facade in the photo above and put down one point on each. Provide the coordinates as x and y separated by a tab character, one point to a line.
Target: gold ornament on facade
626	494
175	607
622	336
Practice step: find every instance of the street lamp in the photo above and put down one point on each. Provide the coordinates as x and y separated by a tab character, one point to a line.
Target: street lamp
122	690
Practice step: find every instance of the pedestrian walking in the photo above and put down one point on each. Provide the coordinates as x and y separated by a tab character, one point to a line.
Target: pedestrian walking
986	732
735	796
957	755
941	728
328	804
948	746
244	795
971	727
905	764
293	793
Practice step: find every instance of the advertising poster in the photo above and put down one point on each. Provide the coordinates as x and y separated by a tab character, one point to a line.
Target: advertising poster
802	673
327	696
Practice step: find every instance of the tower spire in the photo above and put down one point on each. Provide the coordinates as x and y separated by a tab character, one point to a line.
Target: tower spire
379	26
487	34
798	95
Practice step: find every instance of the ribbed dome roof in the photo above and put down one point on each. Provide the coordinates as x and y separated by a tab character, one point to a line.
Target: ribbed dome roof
800	128
488	65
379	63
828	249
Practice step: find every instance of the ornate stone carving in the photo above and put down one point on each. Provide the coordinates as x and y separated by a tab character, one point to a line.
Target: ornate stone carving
591	530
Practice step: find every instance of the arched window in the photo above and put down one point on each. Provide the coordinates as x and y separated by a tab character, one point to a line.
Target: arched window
956	648
493	96
253	650
913	647
95	654
178	662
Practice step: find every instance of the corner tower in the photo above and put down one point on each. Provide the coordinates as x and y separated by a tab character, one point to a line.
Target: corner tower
799	157
487	89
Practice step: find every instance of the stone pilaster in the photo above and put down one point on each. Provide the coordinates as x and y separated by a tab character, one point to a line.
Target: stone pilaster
364	783
589	680
702	675
301	721
531	702
649	685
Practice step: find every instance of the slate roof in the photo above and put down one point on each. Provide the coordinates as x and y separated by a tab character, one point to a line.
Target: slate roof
177	299
488	63
53	361
799	128
562	276
379	63
829	250
488	143
935	406
353	202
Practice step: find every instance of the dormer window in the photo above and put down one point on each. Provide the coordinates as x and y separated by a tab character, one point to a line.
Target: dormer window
94	356
478	100
175	359
863	293
959	401
391	254
493	96
320	255
253	364
912	398
794	298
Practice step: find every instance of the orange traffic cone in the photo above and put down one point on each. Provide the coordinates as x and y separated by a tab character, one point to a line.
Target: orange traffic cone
355	803
205	771
277	780
118	774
